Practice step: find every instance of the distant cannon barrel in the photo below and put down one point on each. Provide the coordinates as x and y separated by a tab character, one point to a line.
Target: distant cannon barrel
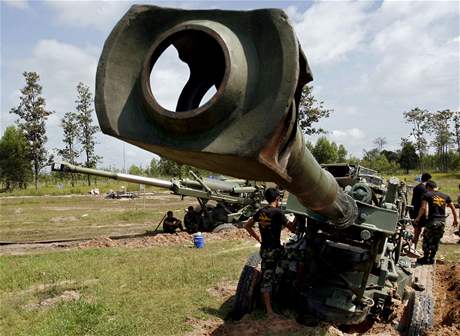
248	129
213	185
65	167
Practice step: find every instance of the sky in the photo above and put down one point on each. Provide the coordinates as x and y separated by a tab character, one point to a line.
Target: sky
371	61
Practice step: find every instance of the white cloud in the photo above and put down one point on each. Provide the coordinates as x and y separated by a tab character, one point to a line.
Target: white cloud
102	14
352	135
328	31
20	4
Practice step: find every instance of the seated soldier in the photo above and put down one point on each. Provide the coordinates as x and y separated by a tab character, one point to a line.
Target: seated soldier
171	224
191	220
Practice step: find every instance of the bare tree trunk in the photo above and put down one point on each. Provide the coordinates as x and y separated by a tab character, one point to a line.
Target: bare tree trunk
36	174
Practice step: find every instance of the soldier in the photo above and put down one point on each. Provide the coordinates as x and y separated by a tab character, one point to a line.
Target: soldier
271	221
433	208
191	220
417	194
171	224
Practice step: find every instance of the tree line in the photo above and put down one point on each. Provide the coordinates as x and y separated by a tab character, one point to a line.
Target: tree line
22	147
23	154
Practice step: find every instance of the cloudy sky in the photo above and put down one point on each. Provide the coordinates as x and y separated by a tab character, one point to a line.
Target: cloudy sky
371	61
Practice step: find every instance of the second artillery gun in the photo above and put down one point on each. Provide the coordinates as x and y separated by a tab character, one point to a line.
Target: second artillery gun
249	129
222	203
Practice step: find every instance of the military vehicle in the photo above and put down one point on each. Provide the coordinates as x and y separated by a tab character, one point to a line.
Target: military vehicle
223	204
249	129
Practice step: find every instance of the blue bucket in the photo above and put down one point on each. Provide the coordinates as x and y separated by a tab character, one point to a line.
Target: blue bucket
198	240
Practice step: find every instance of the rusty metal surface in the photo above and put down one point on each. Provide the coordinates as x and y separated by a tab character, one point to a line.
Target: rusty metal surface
249	128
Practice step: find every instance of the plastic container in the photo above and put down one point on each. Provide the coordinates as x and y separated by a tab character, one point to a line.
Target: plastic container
198	240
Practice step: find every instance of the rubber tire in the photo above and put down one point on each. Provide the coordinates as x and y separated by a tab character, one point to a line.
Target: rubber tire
422	315
246	292
224	227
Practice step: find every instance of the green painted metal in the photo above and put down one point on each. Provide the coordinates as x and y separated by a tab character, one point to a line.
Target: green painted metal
249	128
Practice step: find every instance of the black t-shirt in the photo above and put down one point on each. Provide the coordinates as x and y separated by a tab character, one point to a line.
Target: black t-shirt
417	194
436	203
271	221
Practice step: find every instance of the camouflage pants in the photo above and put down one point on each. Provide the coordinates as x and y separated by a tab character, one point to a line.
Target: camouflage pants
432	234
270	268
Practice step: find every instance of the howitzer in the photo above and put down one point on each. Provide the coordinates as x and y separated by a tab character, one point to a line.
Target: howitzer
249	129
235	200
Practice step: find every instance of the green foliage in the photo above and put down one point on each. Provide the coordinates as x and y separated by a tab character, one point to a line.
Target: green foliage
420	121
341	153
135	170
325	151
373	159
32	116
440	127
86	128
15	166
408	158
311	111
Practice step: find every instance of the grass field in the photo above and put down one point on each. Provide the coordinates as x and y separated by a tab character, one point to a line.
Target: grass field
447	182
61	217
123	291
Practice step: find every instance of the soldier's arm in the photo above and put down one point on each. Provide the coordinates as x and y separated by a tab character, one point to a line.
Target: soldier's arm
422	211
249	226
454	213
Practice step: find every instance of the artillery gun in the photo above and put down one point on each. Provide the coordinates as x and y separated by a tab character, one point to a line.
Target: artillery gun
249	129
234	200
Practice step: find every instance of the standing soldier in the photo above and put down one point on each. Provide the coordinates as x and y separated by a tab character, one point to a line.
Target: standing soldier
271	221
417	194
433	208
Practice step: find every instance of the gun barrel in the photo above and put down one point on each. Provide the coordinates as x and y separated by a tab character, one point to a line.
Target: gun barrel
69	168
249	128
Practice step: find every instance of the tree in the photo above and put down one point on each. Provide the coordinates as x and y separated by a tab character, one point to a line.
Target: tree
15	165
70	128
87	130
32	116
408	158
325	151
373	159
420	121
135	170
311	111
341	154
380	142
456	133
170	168
440	121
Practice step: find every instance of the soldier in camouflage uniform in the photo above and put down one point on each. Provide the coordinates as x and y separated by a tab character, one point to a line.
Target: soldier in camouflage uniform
434	209
271	221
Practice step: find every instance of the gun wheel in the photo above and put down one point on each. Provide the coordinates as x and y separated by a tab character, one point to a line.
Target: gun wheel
421	304
248	288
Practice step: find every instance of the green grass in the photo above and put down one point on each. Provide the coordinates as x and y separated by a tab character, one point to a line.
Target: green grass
451	252
447	182
60	217
129	292
59	188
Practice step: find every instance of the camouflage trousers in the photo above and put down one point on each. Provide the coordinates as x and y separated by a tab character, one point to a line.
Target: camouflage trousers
270	268
432	234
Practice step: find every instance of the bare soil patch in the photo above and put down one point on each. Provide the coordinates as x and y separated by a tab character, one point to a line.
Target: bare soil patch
246	327
66	296
447	292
